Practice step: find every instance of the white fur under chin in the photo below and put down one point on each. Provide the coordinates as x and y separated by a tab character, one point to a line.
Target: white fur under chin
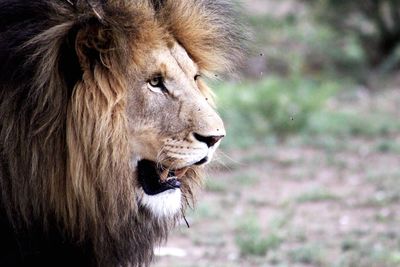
165	204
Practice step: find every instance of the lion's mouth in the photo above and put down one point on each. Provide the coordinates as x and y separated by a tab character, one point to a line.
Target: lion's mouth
155	178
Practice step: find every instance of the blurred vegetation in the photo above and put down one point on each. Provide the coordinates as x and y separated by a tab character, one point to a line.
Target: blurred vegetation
298	43
303	59
375	24
316	195
251	240
274	105
274	108
309	254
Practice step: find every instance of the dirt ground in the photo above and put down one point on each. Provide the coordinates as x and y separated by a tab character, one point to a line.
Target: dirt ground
316	202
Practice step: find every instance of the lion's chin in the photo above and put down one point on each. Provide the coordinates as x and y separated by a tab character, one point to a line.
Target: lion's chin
163	205
161	189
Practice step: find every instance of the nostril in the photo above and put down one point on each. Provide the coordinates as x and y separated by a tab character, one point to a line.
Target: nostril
209	140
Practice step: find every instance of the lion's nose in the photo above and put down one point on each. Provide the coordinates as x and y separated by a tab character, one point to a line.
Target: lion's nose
209	140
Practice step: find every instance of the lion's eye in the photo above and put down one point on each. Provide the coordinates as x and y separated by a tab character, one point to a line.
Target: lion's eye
197	76
157	84
156	81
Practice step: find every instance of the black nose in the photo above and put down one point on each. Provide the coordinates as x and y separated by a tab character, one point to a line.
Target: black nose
209	140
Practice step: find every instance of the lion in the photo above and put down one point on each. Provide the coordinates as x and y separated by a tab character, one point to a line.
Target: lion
106	123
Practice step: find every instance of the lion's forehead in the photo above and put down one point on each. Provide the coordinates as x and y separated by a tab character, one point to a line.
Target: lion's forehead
174	62
183	59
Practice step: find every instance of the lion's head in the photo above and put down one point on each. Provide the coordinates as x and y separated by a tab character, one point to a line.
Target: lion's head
106	121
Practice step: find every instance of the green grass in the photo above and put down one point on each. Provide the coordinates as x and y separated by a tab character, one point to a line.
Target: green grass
255	111
369	255
296	42
341	124
251	240
307	254
247	179
212	184
388	146
275	108
316	195
204	210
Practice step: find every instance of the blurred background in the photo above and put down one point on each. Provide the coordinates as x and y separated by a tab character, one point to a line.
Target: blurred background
309	174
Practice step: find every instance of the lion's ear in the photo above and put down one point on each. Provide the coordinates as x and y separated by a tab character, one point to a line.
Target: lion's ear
80	51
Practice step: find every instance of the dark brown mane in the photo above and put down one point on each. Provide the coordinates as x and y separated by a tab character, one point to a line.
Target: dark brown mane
63	127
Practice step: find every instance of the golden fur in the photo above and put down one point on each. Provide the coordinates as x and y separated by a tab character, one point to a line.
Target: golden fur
69	114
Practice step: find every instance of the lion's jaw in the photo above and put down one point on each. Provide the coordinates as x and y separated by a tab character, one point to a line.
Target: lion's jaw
180	130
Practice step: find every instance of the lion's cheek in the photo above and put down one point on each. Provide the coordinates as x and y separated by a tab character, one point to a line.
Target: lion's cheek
145	144
163	205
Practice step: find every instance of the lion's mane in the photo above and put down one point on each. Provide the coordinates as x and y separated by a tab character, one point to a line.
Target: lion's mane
65	173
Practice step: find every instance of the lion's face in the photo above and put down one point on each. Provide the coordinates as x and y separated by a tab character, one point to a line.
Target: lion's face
173	127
